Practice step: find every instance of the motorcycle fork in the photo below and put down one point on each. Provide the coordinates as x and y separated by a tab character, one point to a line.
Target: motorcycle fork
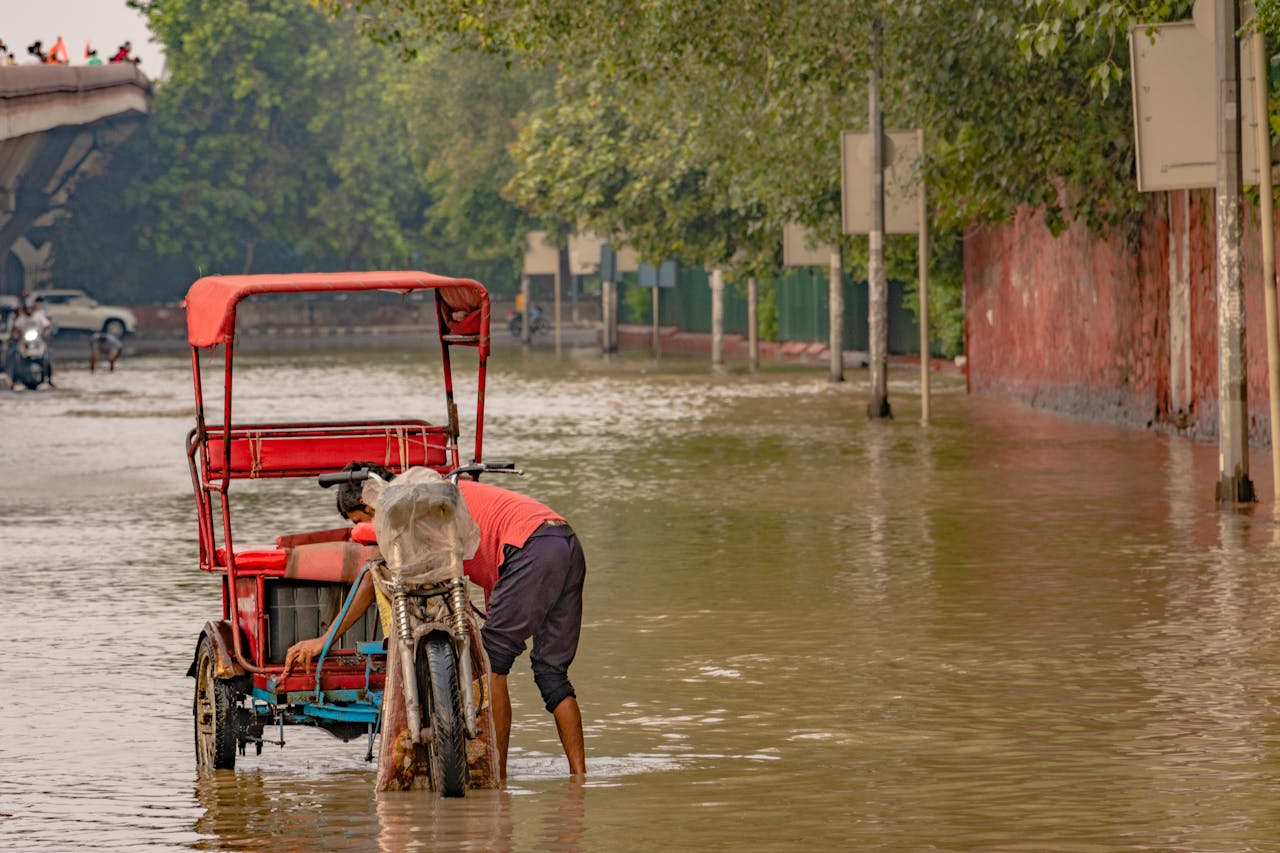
407	645
462	642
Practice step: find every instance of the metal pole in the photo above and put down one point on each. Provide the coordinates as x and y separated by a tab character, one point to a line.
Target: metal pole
877	278
1262	145
922	249
717	319
753	320
613	315
657	341
562	275
1234	485
526	308
606	346
835	313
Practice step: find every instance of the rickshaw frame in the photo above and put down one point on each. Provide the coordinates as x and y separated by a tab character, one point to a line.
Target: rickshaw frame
218	453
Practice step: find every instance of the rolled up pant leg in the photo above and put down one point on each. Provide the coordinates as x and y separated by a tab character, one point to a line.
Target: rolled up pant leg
539	595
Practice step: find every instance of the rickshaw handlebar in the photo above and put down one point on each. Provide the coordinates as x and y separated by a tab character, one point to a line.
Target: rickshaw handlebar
359	475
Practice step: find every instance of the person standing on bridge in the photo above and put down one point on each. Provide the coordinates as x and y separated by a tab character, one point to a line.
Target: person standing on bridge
58	53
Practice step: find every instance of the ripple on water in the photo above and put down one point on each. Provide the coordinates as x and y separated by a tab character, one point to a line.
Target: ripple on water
1007	631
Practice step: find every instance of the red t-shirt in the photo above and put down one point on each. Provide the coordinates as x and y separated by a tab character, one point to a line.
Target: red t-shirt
504	518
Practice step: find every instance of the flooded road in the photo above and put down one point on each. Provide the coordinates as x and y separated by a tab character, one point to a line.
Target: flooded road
1008	631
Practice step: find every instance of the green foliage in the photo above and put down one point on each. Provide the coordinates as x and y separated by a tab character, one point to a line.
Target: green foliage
282	140
638	303
699	130
767	308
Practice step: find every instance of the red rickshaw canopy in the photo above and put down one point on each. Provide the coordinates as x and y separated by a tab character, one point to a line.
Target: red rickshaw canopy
211	301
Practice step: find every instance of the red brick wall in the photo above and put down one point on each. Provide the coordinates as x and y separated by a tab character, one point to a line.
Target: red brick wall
1081	324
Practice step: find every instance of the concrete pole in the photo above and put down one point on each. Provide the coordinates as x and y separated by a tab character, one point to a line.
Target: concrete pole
753	323
717	319
657	339
877	277
606	334
573	299
525	328
614	293
922	249
562	275
1262	145
835	313
1234	485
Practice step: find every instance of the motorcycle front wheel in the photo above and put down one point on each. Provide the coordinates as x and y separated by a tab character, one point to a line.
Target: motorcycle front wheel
438	687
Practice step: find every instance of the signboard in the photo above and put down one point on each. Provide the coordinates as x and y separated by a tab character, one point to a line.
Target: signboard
659	276
613	263
800	250
901	151
541	257
1174	121
584	253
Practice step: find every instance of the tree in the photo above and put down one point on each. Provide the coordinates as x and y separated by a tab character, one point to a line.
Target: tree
261	156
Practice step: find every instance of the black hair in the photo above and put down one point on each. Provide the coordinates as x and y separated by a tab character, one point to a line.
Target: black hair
351	495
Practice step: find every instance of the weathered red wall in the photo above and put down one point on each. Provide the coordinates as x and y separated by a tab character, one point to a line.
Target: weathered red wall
1080	324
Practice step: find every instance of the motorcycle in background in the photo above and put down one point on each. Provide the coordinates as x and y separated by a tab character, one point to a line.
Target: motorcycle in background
516	323
28	359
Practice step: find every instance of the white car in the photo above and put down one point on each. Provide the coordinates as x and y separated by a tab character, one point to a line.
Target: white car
75	310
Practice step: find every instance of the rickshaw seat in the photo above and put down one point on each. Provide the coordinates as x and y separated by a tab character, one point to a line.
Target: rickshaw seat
260	557
332	562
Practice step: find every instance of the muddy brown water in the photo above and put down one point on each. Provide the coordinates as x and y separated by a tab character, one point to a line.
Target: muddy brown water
1009	631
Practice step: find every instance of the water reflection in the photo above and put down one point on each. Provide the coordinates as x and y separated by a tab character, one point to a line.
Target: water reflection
1009	630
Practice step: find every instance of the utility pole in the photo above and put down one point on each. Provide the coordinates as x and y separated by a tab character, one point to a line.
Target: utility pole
526	329
1234	485
922	252
562	275
1262	145
717	319
877	278
835	300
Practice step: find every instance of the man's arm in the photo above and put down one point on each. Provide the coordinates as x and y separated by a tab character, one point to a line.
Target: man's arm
307	650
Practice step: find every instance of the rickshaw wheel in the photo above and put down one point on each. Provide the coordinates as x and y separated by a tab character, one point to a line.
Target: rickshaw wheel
447	753
217	722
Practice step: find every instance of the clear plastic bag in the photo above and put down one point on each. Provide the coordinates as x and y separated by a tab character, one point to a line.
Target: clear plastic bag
423	526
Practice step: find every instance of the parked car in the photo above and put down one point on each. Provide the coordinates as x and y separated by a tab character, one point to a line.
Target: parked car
75	310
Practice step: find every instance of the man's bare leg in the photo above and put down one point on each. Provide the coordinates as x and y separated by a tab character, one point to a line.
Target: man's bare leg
500	701
569	727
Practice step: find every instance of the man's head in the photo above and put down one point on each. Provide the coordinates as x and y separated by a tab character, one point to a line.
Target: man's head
351	503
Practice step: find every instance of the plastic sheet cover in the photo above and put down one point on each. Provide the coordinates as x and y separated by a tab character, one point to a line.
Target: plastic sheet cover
424	529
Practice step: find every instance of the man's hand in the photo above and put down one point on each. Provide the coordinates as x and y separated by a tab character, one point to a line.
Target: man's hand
303	653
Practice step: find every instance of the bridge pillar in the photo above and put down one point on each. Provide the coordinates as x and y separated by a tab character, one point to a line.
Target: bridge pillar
36	263
57	124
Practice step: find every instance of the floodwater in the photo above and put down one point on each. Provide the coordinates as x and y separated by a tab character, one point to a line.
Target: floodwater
1008	631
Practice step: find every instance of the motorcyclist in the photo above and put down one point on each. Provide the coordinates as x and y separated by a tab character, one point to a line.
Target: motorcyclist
42	318
27	318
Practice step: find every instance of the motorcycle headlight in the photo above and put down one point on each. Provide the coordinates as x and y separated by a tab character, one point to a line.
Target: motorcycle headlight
31	335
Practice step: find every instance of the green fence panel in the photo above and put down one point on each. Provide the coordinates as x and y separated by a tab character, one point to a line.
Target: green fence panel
803	303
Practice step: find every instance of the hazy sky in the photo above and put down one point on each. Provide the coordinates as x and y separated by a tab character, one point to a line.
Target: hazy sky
105	23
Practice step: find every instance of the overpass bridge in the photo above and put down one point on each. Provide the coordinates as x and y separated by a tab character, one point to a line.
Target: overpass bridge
58	123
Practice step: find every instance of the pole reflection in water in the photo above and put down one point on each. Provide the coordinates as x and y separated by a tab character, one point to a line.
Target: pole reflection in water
801	630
